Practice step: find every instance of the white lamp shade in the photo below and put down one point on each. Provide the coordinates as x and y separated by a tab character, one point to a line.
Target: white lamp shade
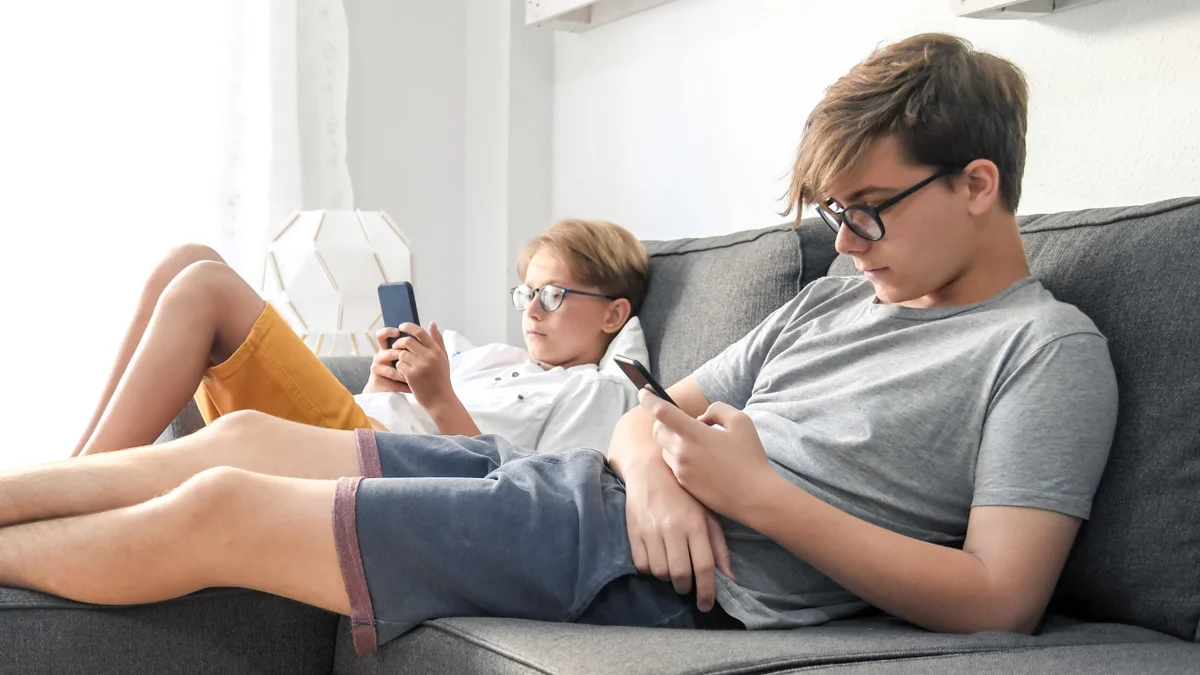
322	273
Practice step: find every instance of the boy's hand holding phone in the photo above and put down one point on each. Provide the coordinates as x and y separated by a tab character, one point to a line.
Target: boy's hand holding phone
422	363
384	376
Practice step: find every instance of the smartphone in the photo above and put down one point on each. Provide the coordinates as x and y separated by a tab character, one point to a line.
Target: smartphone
399	305
641	378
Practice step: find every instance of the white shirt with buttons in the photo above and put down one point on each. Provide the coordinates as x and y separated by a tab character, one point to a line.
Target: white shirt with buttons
512	396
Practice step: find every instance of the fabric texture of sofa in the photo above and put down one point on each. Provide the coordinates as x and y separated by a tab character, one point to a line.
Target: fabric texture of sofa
1128	600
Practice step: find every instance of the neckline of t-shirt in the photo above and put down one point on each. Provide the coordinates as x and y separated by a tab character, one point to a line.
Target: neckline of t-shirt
934	313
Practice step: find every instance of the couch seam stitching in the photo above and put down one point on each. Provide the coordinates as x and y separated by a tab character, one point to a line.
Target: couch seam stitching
861	657
489	646
765	232
1192	201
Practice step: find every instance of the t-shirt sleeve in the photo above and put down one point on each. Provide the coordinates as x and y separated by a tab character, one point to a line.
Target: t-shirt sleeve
729	376
584	415
1049	429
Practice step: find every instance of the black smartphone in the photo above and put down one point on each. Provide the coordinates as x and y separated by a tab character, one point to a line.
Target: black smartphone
399	305
641	378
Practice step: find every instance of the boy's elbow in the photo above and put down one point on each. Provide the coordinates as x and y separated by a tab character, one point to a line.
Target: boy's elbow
1015	620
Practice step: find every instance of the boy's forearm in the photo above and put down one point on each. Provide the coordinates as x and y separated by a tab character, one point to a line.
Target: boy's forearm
632	448
933	586
453	419
373	387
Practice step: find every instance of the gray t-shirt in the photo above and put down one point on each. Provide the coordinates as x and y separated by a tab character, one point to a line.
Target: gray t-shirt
906	418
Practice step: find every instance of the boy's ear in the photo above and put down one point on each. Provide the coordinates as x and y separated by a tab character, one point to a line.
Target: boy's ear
618	313
982	179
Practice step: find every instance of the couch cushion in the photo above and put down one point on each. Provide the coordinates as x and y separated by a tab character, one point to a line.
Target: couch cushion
514	646
218	631
1136	272
1143	659
706	293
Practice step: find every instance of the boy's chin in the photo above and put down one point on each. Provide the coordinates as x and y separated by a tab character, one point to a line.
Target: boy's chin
536	351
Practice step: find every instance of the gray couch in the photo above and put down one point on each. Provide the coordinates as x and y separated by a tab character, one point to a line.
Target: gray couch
1128	601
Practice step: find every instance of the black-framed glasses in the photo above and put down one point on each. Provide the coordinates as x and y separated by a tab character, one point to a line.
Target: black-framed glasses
550	296
865	221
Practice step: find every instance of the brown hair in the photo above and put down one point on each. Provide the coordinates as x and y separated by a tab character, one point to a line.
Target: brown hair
946	103
600	254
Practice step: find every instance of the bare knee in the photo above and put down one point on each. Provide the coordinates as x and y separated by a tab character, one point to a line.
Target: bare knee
186	254
199	285
242	437
216	293
242	424
214	515
178	259
208	503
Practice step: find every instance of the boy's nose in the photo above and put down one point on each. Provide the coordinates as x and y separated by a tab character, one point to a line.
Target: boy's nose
848	242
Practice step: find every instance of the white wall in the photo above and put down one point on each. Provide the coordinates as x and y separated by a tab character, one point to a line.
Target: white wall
530	155
449	118
405	119
485	195
683	120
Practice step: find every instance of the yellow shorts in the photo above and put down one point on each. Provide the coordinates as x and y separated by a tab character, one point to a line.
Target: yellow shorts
274	372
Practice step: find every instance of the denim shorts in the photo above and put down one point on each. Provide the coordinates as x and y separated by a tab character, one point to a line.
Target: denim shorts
442	526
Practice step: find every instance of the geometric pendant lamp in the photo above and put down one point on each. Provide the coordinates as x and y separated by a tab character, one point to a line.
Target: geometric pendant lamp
322	273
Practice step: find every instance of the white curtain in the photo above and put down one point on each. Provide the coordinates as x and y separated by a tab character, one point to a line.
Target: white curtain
131	126
286	131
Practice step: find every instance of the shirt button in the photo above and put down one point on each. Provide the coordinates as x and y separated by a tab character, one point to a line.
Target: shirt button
514	374
520	397
497	379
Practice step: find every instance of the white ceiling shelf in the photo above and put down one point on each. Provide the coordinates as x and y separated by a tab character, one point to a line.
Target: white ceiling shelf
1012	9
580	15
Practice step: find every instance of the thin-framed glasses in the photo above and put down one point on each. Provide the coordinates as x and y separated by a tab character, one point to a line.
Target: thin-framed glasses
550	296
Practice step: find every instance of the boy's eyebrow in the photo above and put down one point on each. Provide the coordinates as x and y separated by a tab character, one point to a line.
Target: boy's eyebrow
870	189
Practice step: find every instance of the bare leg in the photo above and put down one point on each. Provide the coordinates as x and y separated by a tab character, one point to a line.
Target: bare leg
224	527
248	440
165	272
202	317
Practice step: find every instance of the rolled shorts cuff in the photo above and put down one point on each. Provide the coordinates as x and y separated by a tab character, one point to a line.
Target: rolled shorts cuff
345	531
368	453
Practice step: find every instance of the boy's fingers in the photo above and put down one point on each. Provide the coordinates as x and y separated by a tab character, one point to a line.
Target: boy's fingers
702	564
417	333
411	345
679	562
382	335
671	417
720	547
437	336
719	413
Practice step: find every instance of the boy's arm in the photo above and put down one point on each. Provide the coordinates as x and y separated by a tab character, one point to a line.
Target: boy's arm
1002	579
422	362
671	535
452	418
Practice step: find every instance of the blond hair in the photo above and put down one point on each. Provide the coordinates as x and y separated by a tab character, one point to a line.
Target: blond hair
599	254
946	103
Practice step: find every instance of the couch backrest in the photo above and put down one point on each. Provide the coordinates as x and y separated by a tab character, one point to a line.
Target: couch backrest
706	293
1136	272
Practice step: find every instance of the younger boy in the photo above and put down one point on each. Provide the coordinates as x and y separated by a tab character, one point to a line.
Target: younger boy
201	330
